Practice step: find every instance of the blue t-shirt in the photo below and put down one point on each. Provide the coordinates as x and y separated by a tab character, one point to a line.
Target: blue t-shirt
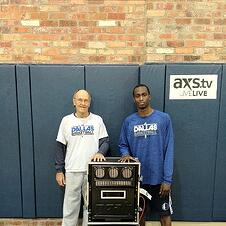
150	139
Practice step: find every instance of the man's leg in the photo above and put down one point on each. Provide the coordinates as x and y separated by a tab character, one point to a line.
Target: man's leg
164	207
142	215
84	195
165	220
72	198
142	221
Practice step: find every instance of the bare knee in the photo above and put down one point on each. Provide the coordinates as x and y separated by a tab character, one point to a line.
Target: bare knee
165	220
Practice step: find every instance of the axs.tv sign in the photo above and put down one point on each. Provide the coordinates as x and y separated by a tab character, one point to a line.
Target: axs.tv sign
193	86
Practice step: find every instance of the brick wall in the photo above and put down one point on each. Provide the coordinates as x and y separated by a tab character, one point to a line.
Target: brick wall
112	31
186	31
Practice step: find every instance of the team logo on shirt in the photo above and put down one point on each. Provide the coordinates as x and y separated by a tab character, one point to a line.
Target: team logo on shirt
145	129
82	130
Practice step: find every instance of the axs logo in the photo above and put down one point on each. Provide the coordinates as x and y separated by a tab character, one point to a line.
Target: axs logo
191	83
193	86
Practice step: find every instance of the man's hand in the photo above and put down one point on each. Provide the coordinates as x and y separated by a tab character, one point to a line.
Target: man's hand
127	158
60	178
164	189
98	157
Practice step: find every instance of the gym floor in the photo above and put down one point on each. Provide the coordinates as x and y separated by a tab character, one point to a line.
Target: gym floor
180	223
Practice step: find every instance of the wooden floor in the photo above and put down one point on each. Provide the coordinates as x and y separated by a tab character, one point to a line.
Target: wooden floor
57	222
179	223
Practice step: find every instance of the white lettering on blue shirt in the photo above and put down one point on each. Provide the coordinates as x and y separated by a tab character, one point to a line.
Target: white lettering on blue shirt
145	129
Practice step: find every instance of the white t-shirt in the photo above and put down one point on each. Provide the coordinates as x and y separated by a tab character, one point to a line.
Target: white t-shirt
81	136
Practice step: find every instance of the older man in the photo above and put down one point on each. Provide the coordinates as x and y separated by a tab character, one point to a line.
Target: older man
82	137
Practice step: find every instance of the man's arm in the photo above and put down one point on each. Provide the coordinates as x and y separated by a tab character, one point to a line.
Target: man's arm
168	160
60	163
124	145
123	141
168	153
103	149
60	157
103	145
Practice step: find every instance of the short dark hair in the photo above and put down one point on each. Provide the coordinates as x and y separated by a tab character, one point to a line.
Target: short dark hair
141	85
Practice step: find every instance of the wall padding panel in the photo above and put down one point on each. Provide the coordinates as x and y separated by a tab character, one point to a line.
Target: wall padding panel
34	98
195	125
153	75
10	189
219	204
52	87
111	87
26	138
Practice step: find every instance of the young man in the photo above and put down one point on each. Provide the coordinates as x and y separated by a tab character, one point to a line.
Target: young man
148	136
82	137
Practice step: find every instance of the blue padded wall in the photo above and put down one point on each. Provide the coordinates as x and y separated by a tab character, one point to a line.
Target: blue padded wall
195	125
26	138
153	75
111	87
52	87
219	204
10	189
34	98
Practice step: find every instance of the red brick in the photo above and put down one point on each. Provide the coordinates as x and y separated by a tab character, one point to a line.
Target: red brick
103	37
67	23
184	50
98	16
165	36
180	6
39	15
135	59
86	37
5	30
22	29
95	1
97	59
150	6
80	16
202	21
220	36
96	30
127	38
40	37
175	43
19	1
5	2
191	43
49	23
203	36
220	22
191	58
56	1
57	15
50	51
5	44
116	30
87	23
116	16
183	21
167	6
78	44
174	58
